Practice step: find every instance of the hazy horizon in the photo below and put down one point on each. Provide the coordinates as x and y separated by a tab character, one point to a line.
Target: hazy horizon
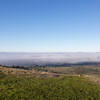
26	59
49	31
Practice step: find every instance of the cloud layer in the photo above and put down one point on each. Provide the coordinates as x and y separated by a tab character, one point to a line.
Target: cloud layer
46	58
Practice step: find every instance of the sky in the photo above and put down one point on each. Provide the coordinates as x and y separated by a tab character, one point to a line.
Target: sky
49	25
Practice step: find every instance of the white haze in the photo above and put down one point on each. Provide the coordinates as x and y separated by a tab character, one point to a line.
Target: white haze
13	58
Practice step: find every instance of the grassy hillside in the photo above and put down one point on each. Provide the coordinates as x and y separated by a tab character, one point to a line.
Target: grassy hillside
62	88
74	70
51	83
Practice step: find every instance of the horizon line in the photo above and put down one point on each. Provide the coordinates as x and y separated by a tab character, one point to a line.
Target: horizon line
50	52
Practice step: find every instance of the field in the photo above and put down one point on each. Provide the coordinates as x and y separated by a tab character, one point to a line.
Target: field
20	84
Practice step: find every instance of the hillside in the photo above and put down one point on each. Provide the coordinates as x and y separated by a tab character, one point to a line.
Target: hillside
36	84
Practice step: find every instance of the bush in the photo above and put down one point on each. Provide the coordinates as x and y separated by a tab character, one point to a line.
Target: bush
66	88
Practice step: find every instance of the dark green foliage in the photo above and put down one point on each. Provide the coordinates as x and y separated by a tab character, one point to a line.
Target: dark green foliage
2	75
65	88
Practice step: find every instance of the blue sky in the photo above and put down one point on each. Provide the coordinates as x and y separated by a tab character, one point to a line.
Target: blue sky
50	25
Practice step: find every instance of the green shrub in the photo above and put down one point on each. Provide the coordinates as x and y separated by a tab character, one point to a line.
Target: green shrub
2	75
66	88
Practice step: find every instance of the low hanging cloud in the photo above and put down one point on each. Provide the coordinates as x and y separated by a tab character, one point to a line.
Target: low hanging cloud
27	59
